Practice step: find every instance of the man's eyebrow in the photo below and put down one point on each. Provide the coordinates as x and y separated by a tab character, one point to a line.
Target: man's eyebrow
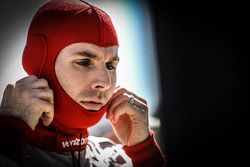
93	56
87	54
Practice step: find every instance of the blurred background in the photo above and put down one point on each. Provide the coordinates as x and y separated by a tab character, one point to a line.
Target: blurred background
185	59
201	49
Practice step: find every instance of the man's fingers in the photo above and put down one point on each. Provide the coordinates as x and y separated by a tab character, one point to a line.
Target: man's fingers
47	118
40	83
47	111
44	94
33	82
120	91
8	90
30	100
117	92
125	98
28	79
119	99
6	97
118	111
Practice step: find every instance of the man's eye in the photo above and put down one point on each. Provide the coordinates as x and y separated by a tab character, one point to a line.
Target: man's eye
110	66
86	62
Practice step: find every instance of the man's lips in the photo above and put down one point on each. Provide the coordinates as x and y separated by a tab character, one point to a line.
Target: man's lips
91	105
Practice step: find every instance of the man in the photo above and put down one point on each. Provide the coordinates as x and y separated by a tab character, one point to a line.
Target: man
71	57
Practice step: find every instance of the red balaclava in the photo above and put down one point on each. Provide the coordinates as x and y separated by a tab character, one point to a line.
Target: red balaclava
56	25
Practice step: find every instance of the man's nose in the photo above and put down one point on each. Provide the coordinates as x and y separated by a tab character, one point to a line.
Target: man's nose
102	80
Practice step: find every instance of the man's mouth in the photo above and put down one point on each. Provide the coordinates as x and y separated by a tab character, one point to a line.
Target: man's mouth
91	105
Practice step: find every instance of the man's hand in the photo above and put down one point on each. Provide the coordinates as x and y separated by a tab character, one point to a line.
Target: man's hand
128	115
30	99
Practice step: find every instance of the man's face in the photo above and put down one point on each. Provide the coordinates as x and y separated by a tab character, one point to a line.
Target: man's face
87	73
